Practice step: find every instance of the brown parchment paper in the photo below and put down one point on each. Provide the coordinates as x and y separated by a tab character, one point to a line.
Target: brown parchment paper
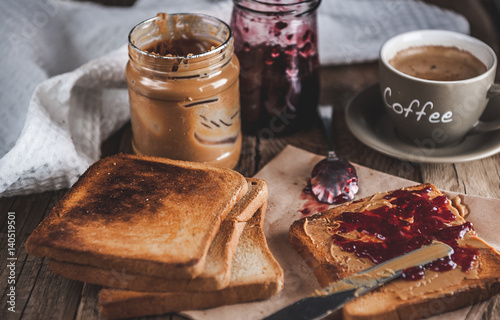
286	176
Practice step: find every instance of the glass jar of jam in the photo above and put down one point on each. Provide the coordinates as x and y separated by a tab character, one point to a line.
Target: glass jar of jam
183	89
276	44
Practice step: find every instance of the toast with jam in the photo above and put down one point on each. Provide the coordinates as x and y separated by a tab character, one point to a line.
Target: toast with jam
217	268
355	236
255	275
140	215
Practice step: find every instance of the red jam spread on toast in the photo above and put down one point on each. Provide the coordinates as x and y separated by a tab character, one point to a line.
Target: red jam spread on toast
410	222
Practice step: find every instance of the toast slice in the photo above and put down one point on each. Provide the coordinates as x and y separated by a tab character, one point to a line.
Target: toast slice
354	236
143	215
216	272
255	275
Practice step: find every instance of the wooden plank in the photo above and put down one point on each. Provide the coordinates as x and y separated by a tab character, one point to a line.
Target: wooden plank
247	165
48	295
22	208
52	296
5	205
352	149
481	177
126	139
487	310
27	215
29	212
112	145
88	308
312	139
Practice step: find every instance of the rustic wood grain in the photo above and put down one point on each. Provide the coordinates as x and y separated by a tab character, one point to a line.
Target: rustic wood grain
479	178
247	164
52	296
88	308
4	209
29	212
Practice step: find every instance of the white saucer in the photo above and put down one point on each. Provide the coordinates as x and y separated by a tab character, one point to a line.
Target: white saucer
368	121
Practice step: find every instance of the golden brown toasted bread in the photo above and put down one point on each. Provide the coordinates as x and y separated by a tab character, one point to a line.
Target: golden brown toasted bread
255	274
216	271
324	240
142	215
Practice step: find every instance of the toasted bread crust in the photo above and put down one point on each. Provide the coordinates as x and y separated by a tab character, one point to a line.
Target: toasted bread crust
216	272
246	284
379	304
92	223
210	280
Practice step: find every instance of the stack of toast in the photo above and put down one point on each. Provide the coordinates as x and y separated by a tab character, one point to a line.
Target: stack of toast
355	236
161	236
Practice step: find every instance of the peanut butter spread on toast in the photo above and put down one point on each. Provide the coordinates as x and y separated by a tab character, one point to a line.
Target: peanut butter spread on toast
343	236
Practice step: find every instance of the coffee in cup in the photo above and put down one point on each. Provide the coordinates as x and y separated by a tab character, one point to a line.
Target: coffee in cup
438	63
436	84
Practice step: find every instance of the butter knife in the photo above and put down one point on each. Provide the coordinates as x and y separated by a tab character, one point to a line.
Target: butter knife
333	297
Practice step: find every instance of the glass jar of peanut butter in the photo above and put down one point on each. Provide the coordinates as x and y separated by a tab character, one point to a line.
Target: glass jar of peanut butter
183	89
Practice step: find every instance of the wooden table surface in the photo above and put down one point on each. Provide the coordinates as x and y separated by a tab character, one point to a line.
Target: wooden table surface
43	295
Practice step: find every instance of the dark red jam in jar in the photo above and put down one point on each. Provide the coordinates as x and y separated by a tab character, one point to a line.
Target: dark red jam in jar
276	43
415	220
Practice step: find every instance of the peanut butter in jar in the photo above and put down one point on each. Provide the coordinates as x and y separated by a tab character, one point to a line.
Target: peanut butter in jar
183	89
